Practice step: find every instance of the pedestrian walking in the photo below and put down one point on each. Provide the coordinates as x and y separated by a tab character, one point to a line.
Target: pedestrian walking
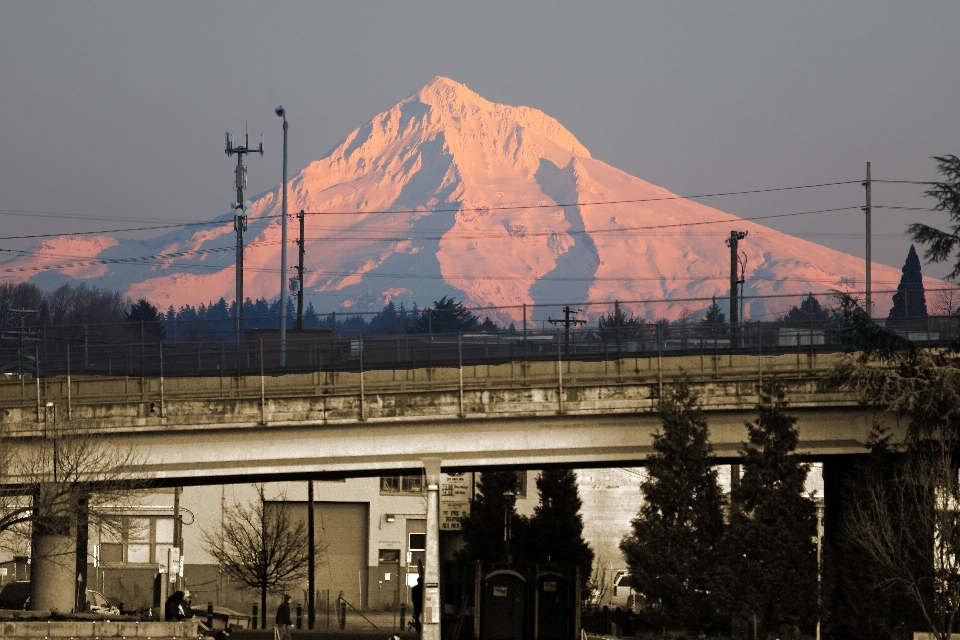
282	630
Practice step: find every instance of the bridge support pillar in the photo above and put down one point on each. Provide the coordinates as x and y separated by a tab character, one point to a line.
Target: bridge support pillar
431	578
55	584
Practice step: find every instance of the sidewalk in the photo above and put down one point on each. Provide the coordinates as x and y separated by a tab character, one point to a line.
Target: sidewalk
378	625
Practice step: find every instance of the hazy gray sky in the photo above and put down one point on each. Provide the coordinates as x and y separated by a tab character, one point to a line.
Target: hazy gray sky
117	110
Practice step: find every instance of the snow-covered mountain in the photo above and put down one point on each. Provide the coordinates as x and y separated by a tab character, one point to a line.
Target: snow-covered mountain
450	194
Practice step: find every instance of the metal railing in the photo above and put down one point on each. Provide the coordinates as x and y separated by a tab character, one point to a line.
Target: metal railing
109	350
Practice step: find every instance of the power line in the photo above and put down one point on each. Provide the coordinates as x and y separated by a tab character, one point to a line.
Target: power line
582	204
906	182
70	216
476	234
89	233
85	262
483	235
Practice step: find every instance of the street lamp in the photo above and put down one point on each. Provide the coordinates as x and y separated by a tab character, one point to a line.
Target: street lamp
819	503
283	248
507	522
52	433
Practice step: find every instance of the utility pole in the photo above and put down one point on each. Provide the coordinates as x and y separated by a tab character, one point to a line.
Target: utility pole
311	559
283	246
566	322
302	215
240	216
22	336
733	242
867	211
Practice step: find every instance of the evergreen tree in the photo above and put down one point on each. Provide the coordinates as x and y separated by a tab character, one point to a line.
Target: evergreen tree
910	300
489	326
291	315
150	317
942	243
390	320
672	542
809	310
310	319
714	314
618	323
555	532
483	528
446	316
352	325
769	552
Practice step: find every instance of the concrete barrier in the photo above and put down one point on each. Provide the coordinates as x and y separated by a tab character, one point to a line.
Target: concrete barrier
104	629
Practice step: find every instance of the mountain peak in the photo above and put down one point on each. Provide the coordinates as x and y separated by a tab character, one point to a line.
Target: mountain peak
442	90
448	193
456	103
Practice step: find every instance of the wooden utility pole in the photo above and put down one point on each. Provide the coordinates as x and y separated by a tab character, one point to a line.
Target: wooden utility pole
867	211
566	322
302	216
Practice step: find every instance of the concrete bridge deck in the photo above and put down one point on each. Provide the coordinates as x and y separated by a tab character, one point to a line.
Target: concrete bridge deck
530	414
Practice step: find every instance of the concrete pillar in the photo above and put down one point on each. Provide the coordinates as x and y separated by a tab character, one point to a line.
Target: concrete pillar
431	578
54	585
82	539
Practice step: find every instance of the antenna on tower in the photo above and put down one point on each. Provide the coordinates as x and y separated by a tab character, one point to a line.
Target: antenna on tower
733	242
240	216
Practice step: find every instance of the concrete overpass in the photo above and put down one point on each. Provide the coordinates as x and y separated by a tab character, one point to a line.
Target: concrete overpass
524	414
203	430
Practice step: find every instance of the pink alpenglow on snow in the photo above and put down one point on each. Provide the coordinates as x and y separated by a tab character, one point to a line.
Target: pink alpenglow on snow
449	194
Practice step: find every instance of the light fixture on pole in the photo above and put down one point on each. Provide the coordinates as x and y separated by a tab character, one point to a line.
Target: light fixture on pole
283	248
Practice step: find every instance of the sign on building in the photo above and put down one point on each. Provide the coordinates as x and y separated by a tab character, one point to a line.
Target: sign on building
455	492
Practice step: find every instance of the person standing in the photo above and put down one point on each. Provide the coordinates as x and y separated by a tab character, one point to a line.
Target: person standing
416	594
283	619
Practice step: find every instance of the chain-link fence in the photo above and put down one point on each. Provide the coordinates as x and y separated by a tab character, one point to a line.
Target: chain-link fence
775	324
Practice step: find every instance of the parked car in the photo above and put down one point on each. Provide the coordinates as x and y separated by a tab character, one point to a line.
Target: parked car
224	618
16	595
99	604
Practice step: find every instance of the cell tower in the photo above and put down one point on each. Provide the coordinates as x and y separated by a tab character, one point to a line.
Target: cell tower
734	243
241	211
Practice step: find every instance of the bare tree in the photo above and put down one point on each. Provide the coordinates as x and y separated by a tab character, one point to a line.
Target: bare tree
908	522
946	302
52	487
262	545
69	467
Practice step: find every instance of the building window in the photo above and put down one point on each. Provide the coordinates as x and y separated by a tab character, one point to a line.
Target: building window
521	489
389	556
409	484
418	542
520	486
137	540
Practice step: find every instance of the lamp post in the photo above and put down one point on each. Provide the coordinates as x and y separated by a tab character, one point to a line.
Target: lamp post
819	502
283	248
52	434
507	523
